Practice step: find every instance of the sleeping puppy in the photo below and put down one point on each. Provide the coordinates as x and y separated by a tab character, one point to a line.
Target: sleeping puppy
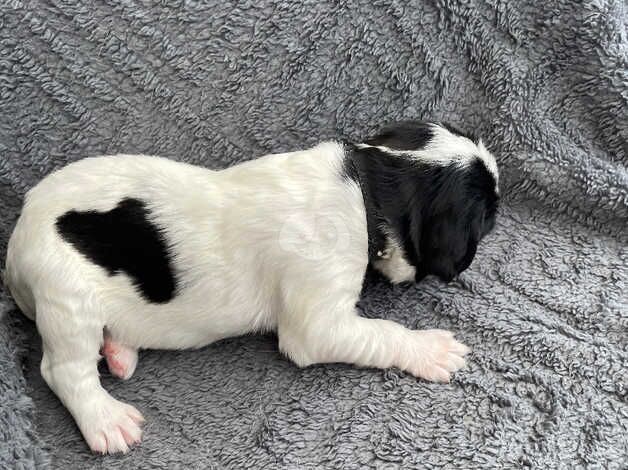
112	254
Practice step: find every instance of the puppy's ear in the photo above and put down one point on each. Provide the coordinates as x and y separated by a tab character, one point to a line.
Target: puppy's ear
412	235
441	225
450	239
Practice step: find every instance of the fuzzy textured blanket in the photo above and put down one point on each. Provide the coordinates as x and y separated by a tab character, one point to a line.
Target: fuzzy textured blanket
544	305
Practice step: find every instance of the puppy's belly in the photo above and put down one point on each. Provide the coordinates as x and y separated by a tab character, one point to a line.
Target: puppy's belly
186	322
185	327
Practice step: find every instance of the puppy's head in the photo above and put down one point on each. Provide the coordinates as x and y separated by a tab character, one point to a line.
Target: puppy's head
458	212
435	190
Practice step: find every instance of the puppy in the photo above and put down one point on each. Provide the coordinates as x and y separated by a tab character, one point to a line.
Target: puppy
112	254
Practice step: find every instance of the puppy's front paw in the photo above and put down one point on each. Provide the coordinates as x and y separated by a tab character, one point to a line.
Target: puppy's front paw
110	426
434	355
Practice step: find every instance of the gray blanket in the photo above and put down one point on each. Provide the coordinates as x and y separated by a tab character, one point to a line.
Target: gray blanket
544	305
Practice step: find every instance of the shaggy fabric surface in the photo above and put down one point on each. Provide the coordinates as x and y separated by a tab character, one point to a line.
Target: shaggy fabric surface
544	305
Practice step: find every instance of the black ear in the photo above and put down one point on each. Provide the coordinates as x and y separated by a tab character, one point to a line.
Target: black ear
449	240
412	235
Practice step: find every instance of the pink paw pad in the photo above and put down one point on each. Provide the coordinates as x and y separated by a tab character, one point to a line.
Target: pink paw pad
121	359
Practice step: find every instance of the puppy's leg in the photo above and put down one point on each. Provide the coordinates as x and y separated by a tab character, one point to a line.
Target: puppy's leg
121	359
328	336
71	340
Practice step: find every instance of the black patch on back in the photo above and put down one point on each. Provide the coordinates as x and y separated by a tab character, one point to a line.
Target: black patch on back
124	239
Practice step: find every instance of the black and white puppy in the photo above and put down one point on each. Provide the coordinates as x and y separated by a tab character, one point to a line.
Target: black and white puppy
112	254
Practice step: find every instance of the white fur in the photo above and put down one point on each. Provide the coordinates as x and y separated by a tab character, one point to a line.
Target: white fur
392	263
278	243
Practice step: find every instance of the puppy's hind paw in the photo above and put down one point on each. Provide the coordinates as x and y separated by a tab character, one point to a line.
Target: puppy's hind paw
121	359
111	427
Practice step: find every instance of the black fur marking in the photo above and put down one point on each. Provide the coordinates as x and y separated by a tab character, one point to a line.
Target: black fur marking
407	135
454	130
438	212
124	239
413	135
374	222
